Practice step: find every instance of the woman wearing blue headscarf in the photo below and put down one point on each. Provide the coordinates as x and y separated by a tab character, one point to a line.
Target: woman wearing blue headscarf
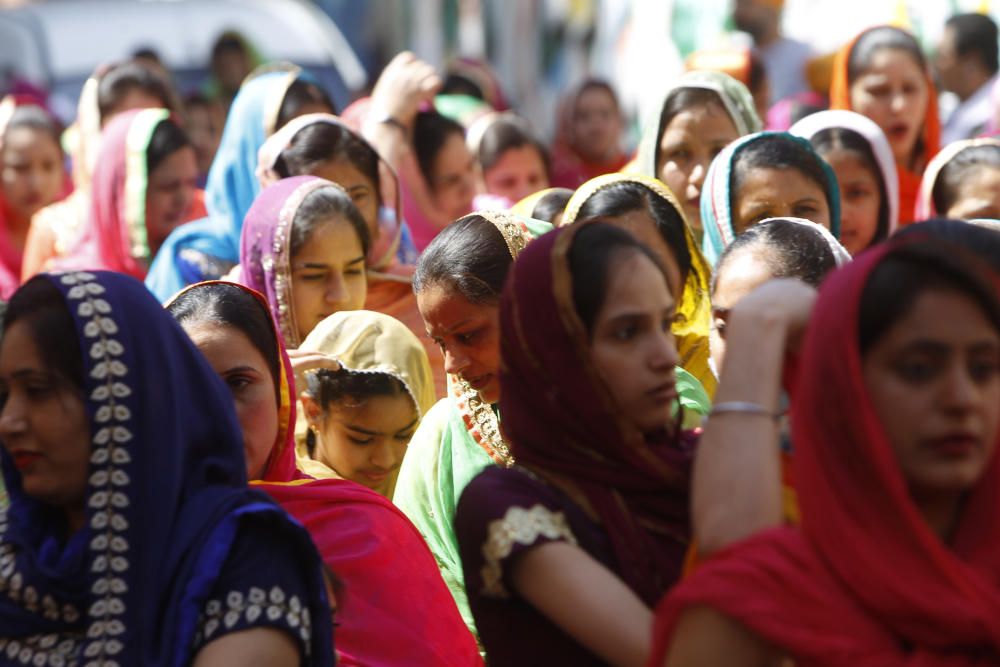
209	248
766	175
131	537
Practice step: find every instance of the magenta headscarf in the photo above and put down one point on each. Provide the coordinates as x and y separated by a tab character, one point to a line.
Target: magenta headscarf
562	423
114	238
265	261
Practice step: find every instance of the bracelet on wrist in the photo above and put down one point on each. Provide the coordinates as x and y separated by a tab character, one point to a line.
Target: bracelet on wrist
742	408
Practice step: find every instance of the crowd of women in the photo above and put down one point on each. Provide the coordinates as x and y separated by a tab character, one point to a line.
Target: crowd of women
406	386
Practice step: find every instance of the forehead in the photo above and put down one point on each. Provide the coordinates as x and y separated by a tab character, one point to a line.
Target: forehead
224	345
519	159
634	283
785	184
738	276
442	306
893	63
333	240
341	170
943	315
381	414
595	96
708	117
18	350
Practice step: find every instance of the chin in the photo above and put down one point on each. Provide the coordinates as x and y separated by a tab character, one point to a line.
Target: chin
490	394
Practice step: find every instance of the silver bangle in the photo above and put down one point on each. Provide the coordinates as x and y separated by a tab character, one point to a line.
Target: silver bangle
743	407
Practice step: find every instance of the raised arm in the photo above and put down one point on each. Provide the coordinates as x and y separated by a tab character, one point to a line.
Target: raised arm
737	475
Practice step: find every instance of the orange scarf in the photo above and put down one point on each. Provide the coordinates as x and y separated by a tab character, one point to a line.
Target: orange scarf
909	181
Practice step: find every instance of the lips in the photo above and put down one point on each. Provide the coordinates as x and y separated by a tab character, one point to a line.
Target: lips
480	382
375	476
955	445
898	131
665	393
24	459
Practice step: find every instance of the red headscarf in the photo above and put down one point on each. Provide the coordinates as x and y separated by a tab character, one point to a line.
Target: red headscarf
561	422
395	608
909	181
864	580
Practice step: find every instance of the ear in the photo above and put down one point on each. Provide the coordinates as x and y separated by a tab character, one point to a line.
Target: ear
312	410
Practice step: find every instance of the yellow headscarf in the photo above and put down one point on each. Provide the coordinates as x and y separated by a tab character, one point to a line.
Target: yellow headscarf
694	310
368	342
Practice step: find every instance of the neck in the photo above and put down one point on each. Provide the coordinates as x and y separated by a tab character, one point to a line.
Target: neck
767	35
941	512
972	83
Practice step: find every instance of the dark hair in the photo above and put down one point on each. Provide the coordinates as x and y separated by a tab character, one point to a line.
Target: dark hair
456	84
844	139
504	134
982	241
779	151
317	207
168	138
976	33
327	387
595	247
197	99
147	53
596	84
551	204
41	305
876	39
627	197
913	269
469	256
789	249
36	118
227	305
300	94
960	168
228	41
321	142
430	132
127	77
679	101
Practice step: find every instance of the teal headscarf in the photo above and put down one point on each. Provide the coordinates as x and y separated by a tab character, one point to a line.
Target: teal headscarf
716	193
231	188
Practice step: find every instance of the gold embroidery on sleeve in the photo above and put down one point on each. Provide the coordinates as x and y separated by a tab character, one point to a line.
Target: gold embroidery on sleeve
518	526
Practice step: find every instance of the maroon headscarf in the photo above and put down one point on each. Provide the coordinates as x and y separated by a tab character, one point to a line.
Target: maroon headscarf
863	581
562	423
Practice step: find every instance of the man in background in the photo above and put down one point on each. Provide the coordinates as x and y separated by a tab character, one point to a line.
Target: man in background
967	66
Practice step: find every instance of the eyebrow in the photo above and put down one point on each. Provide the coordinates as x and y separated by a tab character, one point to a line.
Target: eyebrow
633	315
239	369
320	265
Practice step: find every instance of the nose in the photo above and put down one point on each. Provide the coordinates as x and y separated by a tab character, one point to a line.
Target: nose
697	176
383	457
663	352
454	364
961	392
12	419
336	289
898	102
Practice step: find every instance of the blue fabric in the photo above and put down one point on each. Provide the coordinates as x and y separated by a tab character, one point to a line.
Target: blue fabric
716	194
230	190
167	487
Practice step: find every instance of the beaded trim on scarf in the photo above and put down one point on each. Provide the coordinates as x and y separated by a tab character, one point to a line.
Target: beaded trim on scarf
107	502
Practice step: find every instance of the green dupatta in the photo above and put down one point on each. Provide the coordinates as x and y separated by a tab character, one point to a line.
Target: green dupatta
456	440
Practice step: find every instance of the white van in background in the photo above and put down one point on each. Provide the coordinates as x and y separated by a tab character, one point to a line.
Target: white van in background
58	43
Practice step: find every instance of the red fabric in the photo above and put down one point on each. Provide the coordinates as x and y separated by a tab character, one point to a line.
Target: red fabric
561	421
864	576
395	608
909	181
570	170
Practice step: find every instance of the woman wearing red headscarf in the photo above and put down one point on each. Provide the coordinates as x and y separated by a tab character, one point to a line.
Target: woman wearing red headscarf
565	553
895	422
394	608
882	74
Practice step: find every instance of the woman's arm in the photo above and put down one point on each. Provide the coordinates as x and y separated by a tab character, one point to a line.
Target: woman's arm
586	600
256	647
737	472
706	638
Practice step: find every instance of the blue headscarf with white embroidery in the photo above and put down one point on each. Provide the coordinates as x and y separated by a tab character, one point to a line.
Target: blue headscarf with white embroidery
165	501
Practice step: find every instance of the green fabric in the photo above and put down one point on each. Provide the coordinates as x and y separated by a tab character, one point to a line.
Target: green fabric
441	461
735	98
693	399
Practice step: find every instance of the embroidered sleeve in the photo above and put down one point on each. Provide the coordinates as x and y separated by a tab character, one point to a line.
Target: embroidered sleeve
518	530
242	610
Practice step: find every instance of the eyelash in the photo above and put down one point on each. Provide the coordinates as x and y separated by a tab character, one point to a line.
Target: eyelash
360	441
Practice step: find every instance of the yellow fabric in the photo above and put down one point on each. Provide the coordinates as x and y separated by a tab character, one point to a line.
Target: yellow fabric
694	312
370	342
